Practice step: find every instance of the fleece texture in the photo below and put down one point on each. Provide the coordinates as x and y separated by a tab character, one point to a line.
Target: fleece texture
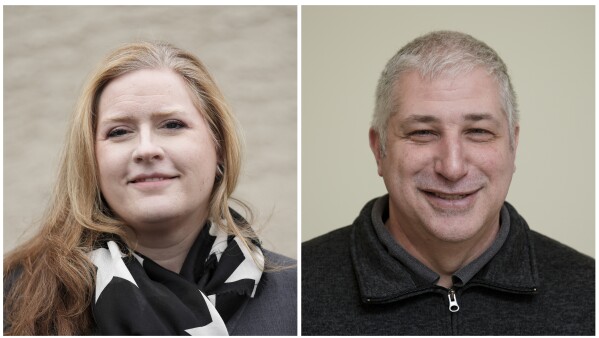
353	284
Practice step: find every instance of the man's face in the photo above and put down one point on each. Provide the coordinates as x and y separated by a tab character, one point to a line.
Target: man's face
448	162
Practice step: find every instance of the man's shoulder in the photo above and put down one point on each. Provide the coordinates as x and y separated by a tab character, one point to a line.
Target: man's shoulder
327	255
340	239
554	255
332	242
330	295
331	253
550	252
566	285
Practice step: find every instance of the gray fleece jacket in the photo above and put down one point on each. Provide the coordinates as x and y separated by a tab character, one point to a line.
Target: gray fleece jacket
354	282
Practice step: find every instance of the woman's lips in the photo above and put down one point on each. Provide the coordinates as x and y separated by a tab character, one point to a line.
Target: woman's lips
152	183
151	179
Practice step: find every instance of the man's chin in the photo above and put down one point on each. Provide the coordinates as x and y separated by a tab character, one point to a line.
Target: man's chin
453	227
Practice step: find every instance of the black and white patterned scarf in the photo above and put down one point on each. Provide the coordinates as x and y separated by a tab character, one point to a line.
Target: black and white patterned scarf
136	296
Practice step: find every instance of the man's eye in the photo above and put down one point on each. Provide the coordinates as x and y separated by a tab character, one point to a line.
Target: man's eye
117	132
422	135
421	132
480	135
174	125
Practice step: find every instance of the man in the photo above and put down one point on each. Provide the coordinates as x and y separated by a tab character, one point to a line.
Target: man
443	253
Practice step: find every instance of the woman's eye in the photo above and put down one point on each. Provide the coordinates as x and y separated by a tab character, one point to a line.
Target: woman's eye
174	125
117	132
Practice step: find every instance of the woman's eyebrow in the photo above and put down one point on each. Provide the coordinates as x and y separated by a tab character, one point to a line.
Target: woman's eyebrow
129	117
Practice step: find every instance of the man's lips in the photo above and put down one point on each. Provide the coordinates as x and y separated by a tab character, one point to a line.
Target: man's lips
450	196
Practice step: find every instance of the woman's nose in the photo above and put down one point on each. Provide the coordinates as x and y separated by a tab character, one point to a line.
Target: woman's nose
147	149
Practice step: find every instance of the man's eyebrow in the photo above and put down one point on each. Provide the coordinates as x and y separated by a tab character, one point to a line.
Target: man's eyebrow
479	117
474	117
420	119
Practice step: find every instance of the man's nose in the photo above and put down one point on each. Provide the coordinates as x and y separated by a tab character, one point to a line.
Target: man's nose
148	148
450	161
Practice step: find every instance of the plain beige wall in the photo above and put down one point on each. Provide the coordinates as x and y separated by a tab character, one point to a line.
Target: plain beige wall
550	54
250	51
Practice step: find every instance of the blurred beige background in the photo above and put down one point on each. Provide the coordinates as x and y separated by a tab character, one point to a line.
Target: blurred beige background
250	51
550	53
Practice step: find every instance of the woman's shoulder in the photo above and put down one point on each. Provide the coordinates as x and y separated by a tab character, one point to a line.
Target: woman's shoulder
10	279
280	277
273	310
11	276
279	259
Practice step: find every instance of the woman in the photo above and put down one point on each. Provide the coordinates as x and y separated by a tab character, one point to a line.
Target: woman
140	217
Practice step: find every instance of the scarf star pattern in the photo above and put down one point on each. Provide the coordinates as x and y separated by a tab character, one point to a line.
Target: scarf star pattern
136	296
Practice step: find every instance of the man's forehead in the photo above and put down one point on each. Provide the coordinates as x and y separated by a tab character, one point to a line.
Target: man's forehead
447	79
476	95
440	118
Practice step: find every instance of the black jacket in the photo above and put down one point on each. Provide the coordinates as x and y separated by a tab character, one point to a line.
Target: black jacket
534	285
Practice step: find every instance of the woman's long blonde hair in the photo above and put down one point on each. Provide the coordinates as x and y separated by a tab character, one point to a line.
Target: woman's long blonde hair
50	276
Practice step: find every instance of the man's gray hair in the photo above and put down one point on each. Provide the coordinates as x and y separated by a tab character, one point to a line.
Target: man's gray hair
437	54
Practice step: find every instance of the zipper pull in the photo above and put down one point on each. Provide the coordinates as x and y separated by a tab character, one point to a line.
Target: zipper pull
453	301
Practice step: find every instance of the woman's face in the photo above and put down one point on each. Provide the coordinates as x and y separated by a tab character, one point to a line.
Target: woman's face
156	155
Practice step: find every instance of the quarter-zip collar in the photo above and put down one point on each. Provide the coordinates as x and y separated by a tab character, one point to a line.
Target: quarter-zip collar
383	278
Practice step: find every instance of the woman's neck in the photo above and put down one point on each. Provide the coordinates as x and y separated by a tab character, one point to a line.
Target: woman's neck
168	248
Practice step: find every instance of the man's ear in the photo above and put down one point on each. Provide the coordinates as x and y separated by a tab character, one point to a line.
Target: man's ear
515	145
375	146
516	136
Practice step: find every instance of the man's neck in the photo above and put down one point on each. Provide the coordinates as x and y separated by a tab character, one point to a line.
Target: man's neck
444	258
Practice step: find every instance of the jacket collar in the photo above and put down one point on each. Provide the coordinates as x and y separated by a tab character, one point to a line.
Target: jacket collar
382	278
